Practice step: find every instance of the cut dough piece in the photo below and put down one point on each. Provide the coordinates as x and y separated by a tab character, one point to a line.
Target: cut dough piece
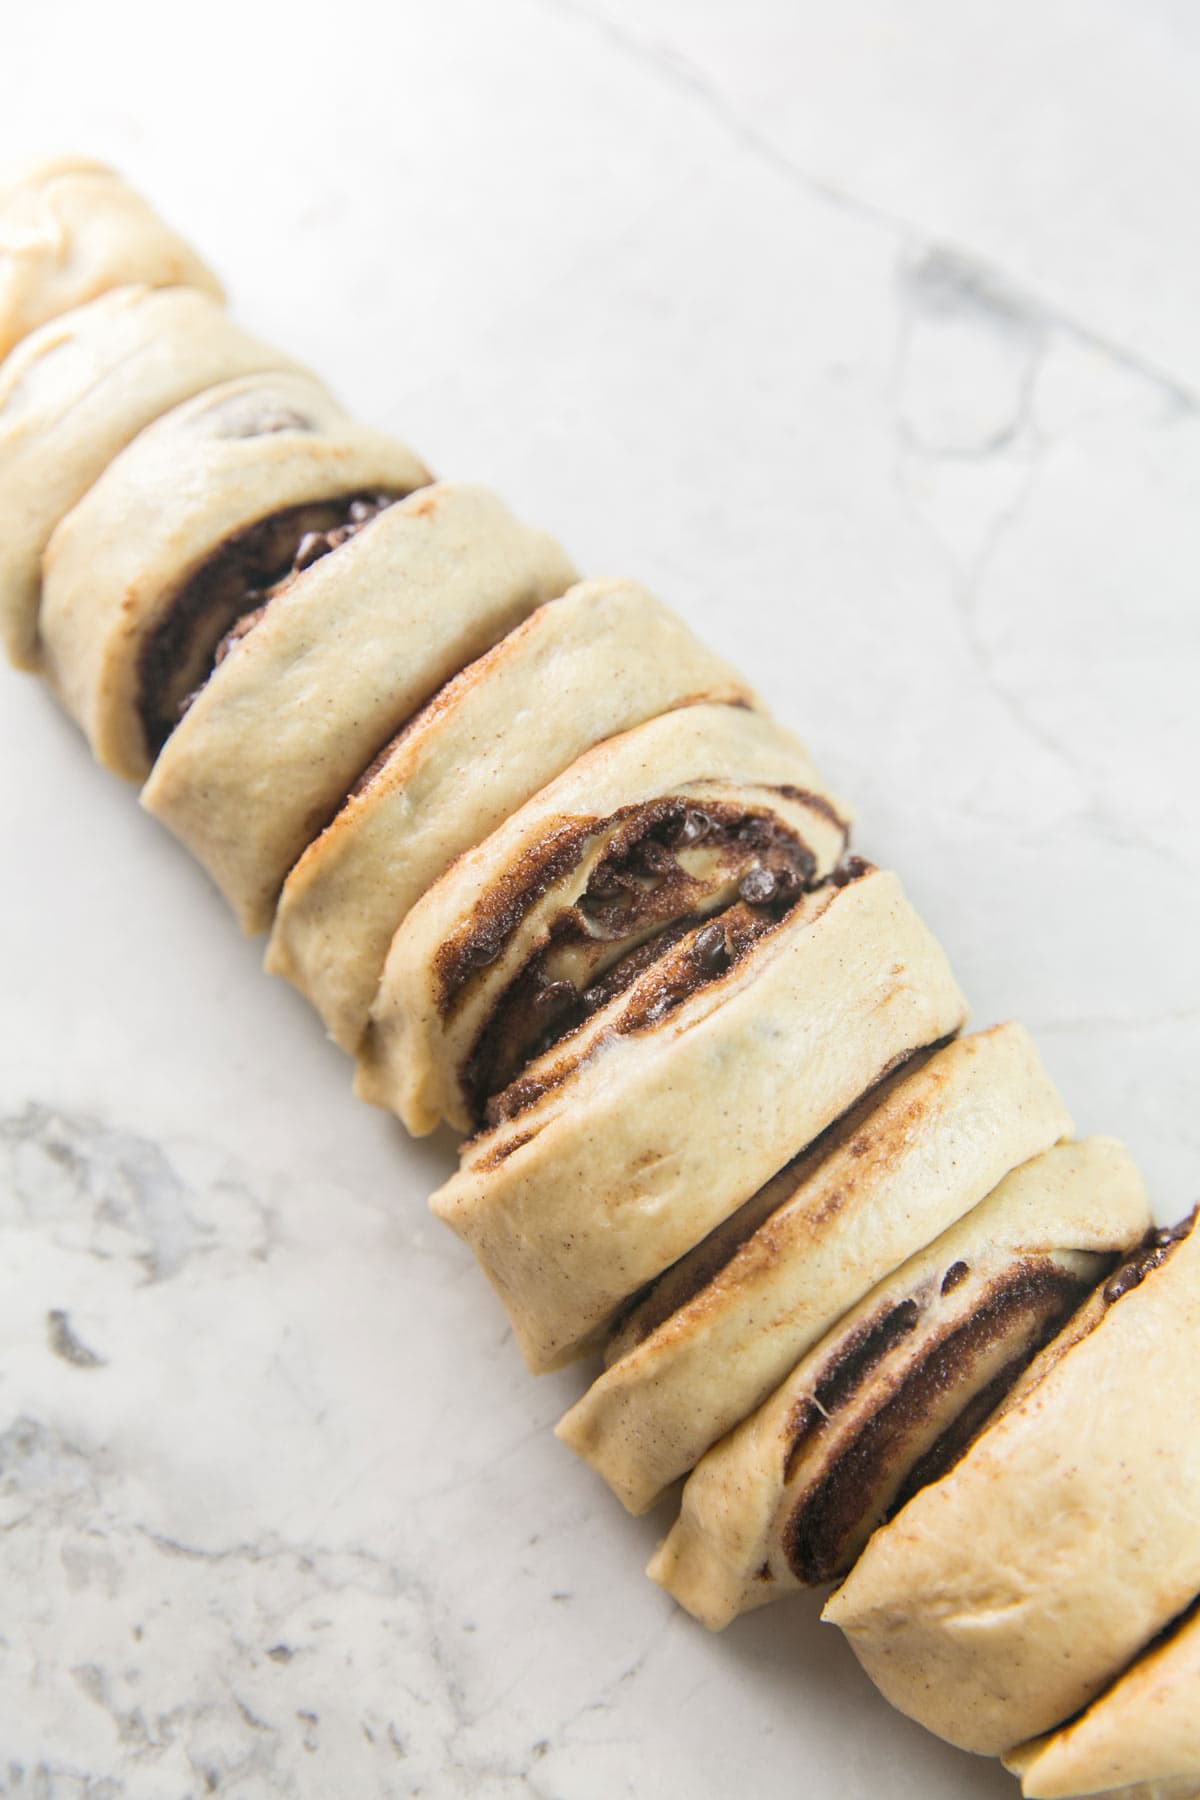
1141	1737
69	230
513	944
723	1328
893	1395
680	1102
604	658
74	393
1006	1596
132	607
344	654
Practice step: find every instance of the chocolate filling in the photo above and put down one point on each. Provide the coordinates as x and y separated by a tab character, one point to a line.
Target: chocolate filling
641	898
674	975
859	1489
227	596
1150	1254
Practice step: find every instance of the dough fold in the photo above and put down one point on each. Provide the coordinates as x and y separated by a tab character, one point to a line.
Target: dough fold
1006	1596
344	654
597	662
1140	1738
722	1328
890	1398
74	393
129	621
71	229
671	1111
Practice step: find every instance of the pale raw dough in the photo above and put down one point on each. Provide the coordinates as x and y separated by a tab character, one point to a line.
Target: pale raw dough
74	393
597	662
344	655
415	1048
1141	1737
1004	1597
1069	1209
926	1152
660	1133
69	230
199	475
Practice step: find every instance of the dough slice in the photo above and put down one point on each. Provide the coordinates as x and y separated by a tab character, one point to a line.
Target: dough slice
74	393
1005	1597
660	825
69	230
678	1100
205	507
1142	1737
343	655
711	1340
892	1396
604	658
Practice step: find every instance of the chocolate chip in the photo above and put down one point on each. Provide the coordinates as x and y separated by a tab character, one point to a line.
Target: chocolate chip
311	548
757	887
690	828
709	948
787	882
954	1274
553	995
1131	1276
362	510
480	953
593	998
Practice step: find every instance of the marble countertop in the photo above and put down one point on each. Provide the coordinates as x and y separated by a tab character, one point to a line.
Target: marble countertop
868	336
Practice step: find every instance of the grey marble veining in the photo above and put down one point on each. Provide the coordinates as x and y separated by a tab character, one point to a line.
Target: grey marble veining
867	336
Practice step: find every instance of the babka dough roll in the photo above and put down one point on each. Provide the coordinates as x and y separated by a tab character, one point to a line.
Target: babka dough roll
74	393
126	601
1005	1597
646	829
895	1392
684	1097
344	654
602	659
1140	1738
721	1330
71	229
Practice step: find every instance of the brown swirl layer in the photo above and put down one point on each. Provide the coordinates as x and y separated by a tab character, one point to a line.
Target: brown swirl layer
667	866
223	599
903	1400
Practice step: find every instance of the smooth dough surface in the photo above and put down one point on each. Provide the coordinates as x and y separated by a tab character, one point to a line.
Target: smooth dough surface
928	1151
661	1133
596	662
69	230
413	1055
1142	1736
1069	1209
74	393
1004	1597
195	478
343	656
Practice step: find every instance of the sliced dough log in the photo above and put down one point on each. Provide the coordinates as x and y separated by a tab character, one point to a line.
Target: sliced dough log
679	1104
520	928
126	614
71	229
894	1393
1006	1596
343	655
1142	1737
74	393
604	658
723	1328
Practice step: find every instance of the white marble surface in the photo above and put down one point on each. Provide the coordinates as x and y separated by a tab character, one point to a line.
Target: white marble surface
869	335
